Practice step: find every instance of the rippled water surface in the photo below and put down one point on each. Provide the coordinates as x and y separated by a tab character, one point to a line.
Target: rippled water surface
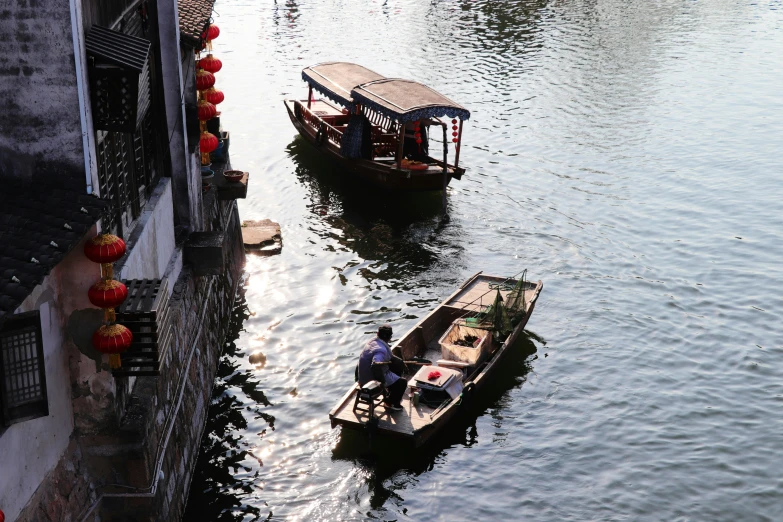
628	153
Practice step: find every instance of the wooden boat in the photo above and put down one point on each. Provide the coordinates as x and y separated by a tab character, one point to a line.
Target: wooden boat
362	126
417	423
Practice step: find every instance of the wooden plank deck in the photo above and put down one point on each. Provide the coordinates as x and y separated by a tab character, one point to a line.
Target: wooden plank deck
477	296
322	108
403	422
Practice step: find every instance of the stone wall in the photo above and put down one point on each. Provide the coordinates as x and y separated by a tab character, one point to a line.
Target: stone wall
64	496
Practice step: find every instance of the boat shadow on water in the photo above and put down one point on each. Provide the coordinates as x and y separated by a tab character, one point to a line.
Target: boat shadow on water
384	457
401	230
327	184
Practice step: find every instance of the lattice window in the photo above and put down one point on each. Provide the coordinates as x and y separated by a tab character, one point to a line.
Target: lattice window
126	171
22	372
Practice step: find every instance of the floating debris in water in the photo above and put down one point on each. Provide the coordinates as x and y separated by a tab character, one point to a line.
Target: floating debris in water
258	359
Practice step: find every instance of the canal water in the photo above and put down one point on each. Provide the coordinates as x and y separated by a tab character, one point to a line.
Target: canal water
628	154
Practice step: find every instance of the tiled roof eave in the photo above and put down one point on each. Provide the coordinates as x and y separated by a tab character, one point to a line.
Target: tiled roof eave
37	230
194	17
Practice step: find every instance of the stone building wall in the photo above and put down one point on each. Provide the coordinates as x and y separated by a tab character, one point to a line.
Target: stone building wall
40	131
142	468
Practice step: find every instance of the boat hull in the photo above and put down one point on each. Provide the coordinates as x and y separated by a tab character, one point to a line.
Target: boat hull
375	173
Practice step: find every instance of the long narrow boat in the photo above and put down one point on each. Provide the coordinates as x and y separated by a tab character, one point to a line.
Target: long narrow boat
362	126
466	369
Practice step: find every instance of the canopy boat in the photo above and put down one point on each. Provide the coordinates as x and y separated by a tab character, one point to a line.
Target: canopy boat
450	355
378	128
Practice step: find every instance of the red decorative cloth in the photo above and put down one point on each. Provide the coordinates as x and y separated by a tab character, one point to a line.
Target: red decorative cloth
435	374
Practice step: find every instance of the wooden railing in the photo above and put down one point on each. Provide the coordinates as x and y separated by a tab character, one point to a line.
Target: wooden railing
316	122
386	123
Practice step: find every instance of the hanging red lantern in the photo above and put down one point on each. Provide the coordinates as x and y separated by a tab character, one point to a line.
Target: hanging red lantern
206	110
112	339
210	64
107	293
208	142
211	33
455	140
455	134
204	80
213	96
2	516
453	122
104	248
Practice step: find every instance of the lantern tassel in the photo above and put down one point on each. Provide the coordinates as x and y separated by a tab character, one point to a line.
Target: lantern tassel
115	361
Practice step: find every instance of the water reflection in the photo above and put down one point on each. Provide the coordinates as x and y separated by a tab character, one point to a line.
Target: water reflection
217	493
401	231
619	149
383	459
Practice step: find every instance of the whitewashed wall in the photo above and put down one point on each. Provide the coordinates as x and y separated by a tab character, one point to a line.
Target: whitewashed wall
30	449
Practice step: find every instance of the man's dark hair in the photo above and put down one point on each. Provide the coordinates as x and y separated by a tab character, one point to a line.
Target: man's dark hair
385	332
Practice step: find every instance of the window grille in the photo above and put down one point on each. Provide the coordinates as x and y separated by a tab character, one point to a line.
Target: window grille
22	371
127	172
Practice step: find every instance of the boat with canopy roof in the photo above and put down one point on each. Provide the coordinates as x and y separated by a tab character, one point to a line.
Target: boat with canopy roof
380	129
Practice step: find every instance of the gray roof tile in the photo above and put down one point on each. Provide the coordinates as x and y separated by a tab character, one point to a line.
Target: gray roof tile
194	16
34	236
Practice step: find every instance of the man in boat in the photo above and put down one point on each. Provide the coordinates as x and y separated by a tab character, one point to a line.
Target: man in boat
377	353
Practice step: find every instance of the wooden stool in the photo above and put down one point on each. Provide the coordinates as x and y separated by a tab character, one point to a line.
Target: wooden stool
370	395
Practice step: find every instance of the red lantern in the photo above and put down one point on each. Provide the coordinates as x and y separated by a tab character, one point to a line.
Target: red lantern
206	110
453	122
210	64
2	516
454	127
213	95
112	339
204	80
208	142
104	248
455	140
211	33
455	134
107	293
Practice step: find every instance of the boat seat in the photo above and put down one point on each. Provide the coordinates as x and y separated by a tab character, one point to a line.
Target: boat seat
336	119
368	397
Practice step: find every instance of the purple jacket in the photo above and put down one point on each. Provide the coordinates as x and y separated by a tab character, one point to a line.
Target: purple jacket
376	350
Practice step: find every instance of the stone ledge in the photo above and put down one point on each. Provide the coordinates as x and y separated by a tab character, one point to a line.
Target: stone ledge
262	237
204	252
230	189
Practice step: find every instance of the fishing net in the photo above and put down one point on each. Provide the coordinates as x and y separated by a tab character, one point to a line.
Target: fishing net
515	302
496	317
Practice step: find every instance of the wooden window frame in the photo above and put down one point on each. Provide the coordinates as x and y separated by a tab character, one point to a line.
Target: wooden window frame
11	414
